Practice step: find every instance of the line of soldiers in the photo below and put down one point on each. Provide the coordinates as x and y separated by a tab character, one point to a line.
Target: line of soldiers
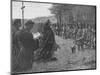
24	45
83	34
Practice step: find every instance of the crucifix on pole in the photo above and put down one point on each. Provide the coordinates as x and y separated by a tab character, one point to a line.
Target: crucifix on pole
22	8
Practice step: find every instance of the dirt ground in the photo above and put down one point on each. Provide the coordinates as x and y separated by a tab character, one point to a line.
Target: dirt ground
66	59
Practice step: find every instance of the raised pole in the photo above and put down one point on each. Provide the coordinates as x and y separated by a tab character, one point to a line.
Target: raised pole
22	8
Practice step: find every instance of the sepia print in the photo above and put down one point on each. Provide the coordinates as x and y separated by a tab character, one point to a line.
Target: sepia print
52	37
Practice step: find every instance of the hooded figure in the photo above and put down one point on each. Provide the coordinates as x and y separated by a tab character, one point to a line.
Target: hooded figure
48	42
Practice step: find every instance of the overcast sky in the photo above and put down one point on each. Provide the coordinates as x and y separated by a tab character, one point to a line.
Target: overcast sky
31	10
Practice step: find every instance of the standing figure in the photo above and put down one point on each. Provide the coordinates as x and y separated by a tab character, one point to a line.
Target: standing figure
48	43
16	24
15	27
26	45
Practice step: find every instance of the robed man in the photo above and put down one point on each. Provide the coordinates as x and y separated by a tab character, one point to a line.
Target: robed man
26	44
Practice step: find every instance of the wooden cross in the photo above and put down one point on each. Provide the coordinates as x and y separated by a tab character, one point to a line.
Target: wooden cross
22	8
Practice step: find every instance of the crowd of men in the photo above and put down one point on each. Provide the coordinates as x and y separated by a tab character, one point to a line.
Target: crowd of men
26	49
83	34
